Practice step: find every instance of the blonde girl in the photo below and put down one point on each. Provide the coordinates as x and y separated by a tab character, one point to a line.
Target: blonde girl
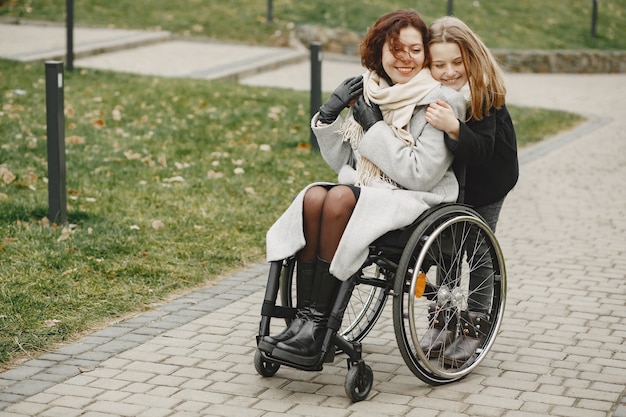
484	142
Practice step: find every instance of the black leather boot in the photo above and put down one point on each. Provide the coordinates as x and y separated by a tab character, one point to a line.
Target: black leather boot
439	335
475	326
305	272
304	348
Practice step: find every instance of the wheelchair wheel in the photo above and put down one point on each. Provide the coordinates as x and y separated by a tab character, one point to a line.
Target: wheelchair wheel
435	305
364	308
359	382
263	367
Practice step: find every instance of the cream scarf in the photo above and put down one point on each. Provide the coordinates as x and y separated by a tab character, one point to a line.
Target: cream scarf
397	104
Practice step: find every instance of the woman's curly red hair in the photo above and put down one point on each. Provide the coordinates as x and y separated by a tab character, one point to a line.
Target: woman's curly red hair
387	28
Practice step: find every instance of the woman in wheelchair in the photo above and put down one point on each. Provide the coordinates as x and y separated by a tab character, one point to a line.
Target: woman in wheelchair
392	167
485	142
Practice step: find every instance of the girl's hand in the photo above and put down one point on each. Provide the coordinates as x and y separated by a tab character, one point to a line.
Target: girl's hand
441	116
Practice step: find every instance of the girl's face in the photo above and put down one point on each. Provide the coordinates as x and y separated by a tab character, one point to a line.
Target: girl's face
446	65
410	57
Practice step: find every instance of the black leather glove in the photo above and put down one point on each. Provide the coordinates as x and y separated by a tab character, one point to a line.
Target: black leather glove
365	114
341	98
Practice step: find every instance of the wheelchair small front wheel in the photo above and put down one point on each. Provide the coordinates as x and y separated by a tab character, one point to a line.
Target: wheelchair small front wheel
264	367
359	382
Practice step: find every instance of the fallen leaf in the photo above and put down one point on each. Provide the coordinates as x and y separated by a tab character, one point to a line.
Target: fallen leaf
132	155
32	177
177	178
7	176
66	233
75	140
98	123
157	224
214	175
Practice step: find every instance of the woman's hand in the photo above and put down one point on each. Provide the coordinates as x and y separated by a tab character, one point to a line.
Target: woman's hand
366	115
441	116
347	91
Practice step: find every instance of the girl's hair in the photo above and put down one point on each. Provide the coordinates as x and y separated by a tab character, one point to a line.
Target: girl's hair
387	28
486	78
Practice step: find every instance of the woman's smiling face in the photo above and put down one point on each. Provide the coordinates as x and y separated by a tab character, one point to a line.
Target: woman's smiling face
446	64
403	62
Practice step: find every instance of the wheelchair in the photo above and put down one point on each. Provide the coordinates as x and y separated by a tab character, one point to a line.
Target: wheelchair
425	269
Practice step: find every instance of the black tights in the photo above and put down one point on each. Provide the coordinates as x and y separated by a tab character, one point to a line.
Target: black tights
326	212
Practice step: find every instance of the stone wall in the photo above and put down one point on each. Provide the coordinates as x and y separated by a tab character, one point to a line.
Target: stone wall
560	61
555	61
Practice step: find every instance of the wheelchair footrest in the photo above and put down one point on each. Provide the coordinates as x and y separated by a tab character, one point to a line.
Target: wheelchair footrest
330	355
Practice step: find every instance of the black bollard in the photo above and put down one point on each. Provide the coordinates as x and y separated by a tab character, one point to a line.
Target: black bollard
69	23
55	118
450	7
270	11
316	85
594	17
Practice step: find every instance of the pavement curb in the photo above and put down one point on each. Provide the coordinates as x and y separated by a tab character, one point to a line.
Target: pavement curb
38	374
120	40
93	42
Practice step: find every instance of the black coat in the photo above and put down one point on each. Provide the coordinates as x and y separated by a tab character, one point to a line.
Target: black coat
488	148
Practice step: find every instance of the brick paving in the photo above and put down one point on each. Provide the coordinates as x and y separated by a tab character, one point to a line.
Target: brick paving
561	350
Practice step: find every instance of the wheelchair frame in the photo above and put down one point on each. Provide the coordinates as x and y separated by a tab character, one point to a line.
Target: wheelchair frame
425	269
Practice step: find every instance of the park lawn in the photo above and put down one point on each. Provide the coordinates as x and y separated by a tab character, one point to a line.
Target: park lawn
528	24
171	184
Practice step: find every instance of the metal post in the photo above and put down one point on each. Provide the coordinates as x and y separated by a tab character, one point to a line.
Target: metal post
57	196
594	17
316	85
450	7
270	11
69	23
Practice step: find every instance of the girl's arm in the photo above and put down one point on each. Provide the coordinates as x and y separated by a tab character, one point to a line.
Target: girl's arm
471	142
441	115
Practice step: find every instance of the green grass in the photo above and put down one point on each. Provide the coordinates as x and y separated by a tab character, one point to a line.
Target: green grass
155	204
528	24
151	165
